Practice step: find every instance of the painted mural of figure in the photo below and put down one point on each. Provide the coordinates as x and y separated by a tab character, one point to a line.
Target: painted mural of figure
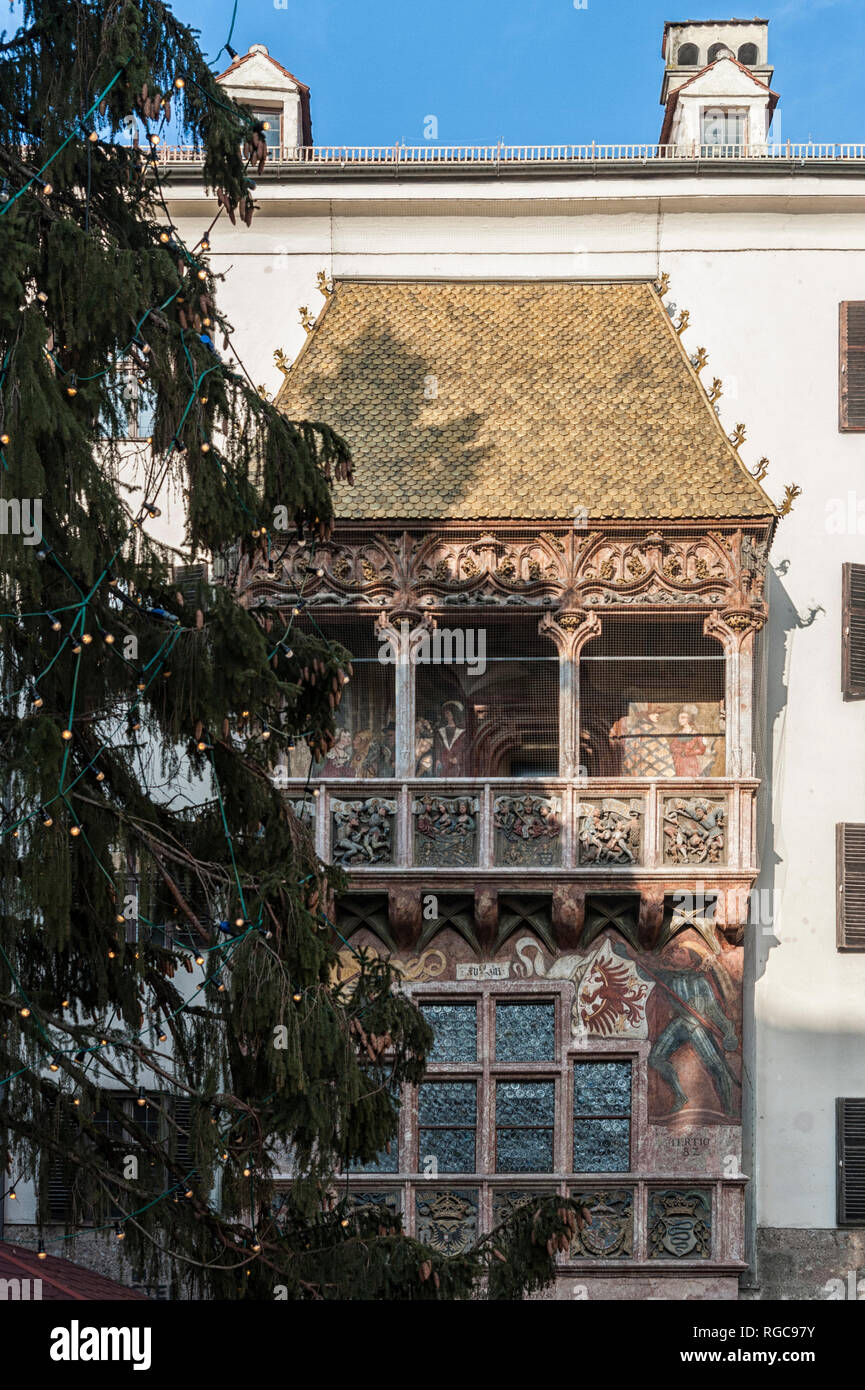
423	748
451	741
337	762
689	748
645	747
698	1021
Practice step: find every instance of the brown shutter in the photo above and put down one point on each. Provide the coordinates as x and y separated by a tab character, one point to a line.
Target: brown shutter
850	871
853	632
850	1129
852	366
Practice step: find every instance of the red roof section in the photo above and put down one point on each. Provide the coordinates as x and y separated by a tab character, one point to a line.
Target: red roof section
62	1281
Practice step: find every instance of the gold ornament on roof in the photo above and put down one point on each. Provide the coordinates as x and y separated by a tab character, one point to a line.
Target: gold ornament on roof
281	361
684	320
324	284
263	391
738	436
662	284
717	390
306	318
759	473
791	492
699	360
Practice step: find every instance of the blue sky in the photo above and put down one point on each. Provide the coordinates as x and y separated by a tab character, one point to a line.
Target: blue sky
529	70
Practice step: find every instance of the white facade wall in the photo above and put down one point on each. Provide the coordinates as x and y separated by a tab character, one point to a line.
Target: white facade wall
762	263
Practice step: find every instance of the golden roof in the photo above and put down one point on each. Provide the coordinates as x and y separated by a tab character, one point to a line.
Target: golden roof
491	400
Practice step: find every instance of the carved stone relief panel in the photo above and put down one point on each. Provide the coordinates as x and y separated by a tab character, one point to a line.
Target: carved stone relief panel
528	831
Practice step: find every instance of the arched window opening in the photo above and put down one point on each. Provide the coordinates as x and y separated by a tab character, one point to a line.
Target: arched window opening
719	50
688	56
749	55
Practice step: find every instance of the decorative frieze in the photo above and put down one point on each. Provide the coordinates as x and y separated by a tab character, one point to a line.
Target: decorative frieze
362	832
610	831
445	831
528	831
695	830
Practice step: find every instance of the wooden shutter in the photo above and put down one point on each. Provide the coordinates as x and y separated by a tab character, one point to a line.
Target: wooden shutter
850	872
853	632
850	1129
852	366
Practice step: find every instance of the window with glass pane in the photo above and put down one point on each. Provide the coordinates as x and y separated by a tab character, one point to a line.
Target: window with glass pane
724	130
366	717
602	1117
487	701
273	119
525	1115
525	1032
447	1113
456	1032
652	701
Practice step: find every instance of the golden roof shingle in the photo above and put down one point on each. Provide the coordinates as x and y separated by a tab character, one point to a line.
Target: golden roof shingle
491	400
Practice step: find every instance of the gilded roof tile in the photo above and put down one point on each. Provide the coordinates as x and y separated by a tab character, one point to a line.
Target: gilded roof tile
491	400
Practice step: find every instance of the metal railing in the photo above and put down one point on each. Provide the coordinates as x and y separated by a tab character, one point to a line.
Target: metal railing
493	156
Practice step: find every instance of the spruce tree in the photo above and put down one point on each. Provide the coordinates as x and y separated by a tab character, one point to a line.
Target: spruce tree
141	718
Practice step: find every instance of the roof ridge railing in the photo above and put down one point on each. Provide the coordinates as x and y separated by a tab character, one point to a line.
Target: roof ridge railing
490	156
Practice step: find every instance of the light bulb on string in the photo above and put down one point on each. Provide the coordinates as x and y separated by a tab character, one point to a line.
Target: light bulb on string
141	1099
42	297
4	439
93	137
179	83
87	638
55	622
13	1195
75	831
40	1253
36	699
162	1037
47	189
119	1231
54	1065
25	1012
66	735
47	818
100	776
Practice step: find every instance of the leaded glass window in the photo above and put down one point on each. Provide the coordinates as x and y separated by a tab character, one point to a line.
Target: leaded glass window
525	1032
456	1031
602	1117
447	1113
525	1116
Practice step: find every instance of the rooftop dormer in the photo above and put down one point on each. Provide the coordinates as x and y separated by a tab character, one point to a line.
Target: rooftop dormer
273	94
716	91
692	44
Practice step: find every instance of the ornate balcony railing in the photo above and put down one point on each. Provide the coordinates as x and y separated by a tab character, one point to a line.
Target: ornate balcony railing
487	157
601	827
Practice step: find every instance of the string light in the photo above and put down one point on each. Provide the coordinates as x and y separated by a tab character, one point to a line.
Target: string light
25	1012
54	1065
141	1099
47	819
66	735
119	1231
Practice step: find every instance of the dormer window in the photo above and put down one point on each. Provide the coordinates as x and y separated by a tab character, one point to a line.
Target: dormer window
724	130
688	56
273	120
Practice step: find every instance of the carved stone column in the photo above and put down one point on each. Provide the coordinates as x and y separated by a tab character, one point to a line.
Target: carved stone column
569	630
735	628
400	637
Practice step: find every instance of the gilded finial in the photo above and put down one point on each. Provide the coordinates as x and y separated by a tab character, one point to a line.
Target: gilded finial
324	284
791	492
699	360
281	361
738	436
306	318
684	320
761	470
263	391
663	284
717	390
